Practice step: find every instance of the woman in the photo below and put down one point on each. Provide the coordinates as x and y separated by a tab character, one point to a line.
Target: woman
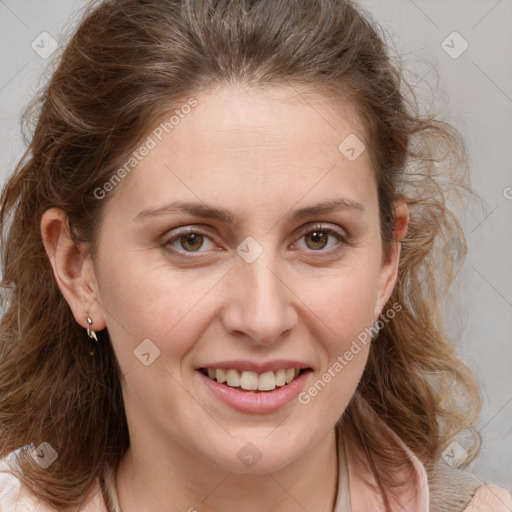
221	270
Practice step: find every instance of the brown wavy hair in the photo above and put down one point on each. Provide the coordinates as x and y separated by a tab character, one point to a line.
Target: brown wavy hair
127	63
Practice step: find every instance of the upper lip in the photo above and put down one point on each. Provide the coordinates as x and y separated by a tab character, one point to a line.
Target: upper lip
256	366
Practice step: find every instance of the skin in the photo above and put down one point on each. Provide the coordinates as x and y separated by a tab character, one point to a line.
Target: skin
262	155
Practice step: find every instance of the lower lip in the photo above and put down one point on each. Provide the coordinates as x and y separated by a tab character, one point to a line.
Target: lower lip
260	402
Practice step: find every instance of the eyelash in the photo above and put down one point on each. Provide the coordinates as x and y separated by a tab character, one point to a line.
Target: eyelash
198	231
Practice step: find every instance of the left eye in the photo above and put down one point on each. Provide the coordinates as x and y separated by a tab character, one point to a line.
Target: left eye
193	240
319	237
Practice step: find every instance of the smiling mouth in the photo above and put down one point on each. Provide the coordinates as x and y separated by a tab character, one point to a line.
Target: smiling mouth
253	381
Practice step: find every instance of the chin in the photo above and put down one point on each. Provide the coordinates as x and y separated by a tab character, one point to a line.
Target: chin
267	453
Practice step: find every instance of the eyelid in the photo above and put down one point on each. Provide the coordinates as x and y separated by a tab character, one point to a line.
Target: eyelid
318	226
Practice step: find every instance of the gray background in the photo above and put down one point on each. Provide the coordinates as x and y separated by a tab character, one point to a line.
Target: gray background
475	91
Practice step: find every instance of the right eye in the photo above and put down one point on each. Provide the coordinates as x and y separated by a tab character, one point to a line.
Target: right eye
189	240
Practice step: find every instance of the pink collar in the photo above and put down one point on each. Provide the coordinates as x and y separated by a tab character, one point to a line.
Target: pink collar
357	487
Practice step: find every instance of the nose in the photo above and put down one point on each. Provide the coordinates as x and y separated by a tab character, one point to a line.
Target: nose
259	302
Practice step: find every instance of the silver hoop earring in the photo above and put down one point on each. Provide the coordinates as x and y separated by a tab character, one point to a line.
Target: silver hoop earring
90	333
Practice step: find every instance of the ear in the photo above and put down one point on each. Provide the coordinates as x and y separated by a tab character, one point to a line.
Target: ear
389	268
73	271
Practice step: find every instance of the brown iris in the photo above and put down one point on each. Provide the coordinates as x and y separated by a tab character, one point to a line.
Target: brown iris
191	241
318	237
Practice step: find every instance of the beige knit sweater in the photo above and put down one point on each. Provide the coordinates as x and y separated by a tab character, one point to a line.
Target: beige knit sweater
453	490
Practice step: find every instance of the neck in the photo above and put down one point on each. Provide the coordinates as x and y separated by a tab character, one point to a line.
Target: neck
152	481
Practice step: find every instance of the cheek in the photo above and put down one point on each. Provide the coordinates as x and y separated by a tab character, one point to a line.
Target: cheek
152	304
343	302
343	317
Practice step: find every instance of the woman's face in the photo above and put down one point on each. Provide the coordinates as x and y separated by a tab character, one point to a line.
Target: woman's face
217	251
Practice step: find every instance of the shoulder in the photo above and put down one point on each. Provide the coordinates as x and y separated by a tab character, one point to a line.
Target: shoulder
456	489
15	496
490	498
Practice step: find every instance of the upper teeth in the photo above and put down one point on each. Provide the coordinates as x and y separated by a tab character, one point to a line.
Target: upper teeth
253	381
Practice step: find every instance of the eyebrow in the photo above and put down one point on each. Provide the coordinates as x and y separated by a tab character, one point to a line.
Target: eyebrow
226	216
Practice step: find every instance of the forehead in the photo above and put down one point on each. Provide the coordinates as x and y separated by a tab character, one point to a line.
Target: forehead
235	120
250	143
